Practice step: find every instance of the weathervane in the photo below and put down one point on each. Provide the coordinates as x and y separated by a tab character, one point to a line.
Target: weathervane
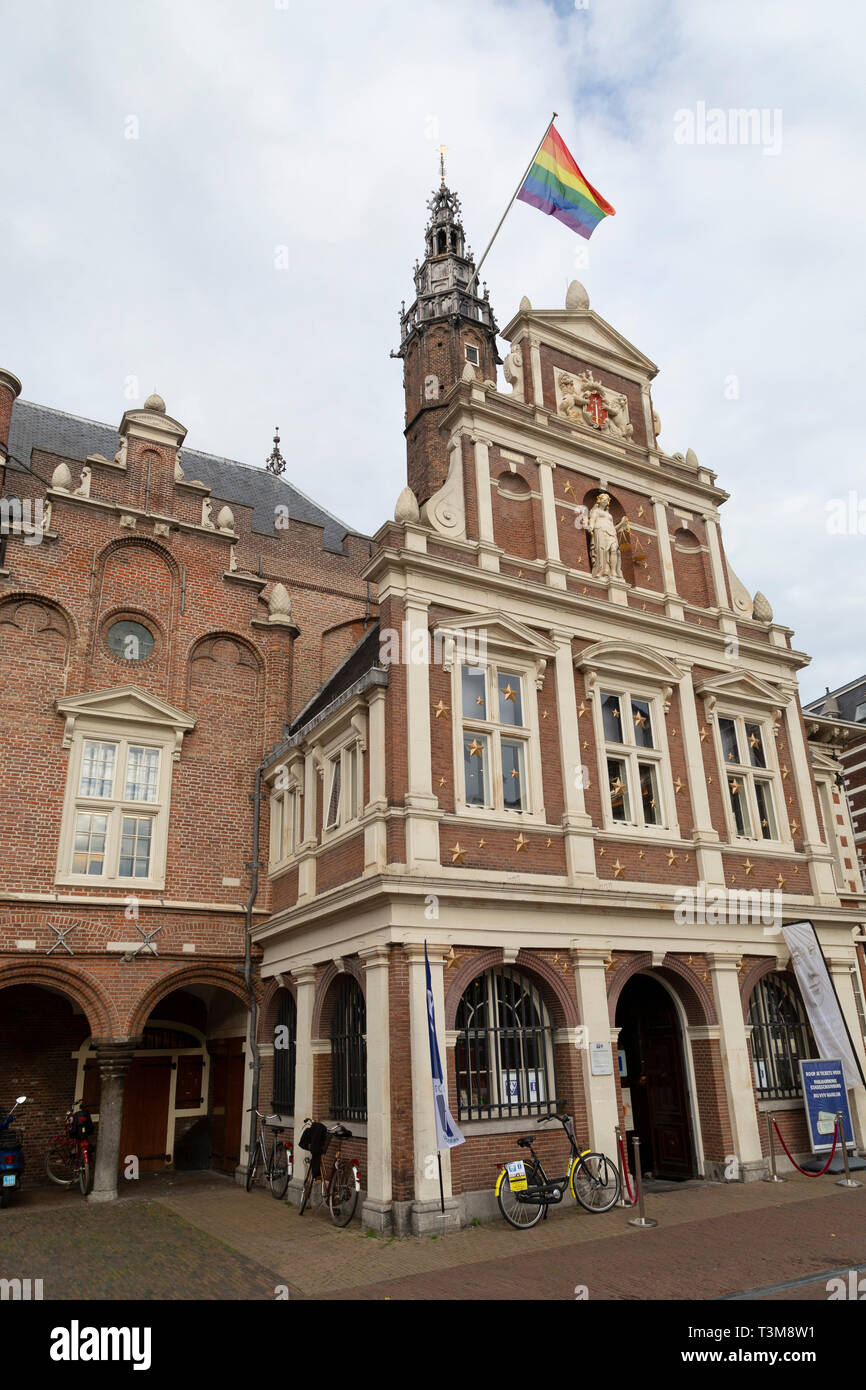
443	150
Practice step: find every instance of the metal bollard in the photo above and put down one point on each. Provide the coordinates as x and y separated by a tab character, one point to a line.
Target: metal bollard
847	1181
772	1176
640	1219
623	1198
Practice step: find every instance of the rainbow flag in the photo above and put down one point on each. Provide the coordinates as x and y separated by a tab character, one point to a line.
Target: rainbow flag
556	186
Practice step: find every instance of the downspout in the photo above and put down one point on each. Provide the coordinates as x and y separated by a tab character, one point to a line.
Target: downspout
256	799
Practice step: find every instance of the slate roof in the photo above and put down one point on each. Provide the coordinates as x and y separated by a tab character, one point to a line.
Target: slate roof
847	697
56	432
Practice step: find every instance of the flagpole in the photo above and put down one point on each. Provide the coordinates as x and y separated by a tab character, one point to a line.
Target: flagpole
511	203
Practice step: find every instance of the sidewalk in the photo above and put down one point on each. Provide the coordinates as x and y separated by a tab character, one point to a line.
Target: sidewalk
202	1237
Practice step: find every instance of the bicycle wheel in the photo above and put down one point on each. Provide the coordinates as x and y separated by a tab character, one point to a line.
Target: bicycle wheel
85	1176
522	1208
252	1167
595	1182
278	1177
306	1190
59	1165
343	1196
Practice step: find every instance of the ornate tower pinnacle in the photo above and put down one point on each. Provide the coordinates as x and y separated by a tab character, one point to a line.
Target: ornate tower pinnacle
446	327
276	463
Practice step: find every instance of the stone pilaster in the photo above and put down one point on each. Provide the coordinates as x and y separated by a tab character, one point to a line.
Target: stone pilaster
113	1056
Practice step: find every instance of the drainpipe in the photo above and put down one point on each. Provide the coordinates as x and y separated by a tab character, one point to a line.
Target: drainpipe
256	799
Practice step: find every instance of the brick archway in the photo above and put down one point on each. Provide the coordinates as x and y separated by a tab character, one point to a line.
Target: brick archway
695	996
767	966
97	1008
269	1006
562	1002
221	976
464	977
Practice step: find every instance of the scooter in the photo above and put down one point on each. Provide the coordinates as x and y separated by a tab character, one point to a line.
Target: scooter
11	1156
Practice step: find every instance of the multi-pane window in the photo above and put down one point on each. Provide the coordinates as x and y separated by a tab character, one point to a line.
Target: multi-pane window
495	738
286	823
349	1052
112	838
343	787
504	1054
780	1037
633	759
749	779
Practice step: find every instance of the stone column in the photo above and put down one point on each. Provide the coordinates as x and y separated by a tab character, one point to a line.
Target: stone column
839	965
422	807
488	550
710	864
673	603
580	857
376	1212
426	1214
736	1064
590	982
555	570
820	855
304	977
535	362
306	857
113	1056
375	834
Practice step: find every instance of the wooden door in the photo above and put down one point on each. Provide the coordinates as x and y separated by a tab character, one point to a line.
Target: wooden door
227	1102
145	1112
650	1036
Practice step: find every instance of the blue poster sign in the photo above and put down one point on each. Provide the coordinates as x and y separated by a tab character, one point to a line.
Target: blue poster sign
824	1094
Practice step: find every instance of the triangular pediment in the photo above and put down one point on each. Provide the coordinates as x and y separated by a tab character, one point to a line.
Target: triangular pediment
582	333
124	705
501	632
742	687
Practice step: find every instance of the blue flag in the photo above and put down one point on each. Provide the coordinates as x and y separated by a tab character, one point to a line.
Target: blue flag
448	1136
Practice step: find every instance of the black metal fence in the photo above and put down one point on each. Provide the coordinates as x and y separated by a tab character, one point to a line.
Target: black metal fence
504	1054
285	1051
349	1053
780	1037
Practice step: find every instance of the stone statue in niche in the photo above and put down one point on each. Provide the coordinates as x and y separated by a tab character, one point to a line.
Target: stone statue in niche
512	369
604	540
83	489
206	509
120	456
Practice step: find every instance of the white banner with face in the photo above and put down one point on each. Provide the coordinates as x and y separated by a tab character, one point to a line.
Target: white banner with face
819	996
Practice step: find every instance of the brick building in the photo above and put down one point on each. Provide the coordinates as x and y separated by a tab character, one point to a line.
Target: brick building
549	772
162	615
846	708
537	722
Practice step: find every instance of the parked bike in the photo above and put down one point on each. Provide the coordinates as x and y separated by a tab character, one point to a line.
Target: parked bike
342	1184
11	1156
277	1165
71	1154
524	1191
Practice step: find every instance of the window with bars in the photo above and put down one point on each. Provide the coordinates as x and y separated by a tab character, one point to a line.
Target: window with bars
495	738
780	1037
111	837
349	1052
633	759
285	1051
504	1054
749	779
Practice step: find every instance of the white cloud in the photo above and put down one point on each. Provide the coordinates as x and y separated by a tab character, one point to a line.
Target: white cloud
310	127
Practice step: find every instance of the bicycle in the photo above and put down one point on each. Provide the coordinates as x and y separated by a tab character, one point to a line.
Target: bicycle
524	1191
276	1164
340	1189
70	1155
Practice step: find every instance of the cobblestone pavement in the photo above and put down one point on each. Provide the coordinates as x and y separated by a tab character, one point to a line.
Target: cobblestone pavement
202	1237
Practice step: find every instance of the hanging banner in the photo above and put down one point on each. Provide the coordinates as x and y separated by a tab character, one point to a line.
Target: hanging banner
819	996
824	1095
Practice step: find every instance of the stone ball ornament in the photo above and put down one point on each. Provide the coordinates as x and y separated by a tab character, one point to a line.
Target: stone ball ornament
576	299
155	403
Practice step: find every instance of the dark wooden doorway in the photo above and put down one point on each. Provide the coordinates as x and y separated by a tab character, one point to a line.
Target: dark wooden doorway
651	1039
227	1102
145	1112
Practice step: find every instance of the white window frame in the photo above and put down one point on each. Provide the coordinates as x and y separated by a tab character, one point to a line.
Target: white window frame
115	807
348	745
771	774
527	733
286	835
629	752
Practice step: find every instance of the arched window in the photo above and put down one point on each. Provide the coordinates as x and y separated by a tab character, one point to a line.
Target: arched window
285	1039
505	1049
349	1052
780	1037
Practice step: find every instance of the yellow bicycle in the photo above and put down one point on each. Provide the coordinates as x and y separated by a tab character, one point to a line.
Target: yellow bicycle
524	1191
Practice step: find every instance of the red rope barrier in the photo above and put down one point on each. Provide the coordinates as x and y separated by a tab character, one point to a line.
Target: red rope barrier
632	1196
793	1159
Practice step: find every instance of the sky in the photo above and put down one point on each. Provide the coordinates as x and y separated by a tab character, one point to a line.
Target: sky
223	202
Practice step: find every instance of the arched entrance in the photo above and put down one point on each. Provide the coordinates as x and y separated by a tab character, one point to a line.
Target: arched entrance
654	1077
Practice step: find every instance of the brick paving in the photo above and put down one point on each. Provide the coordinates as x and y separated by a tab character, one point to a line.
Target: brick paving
202	1237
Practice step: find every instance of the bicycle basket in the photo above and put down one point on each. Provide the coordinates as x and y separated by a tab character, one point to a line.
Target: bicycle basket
80	1125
